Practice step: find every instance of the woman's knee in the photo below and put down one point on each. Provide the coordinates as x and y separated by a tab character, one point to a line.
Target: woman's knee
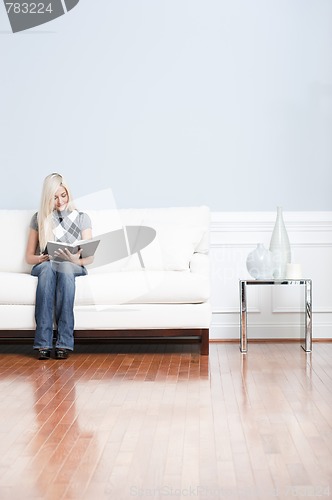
65	270
44	269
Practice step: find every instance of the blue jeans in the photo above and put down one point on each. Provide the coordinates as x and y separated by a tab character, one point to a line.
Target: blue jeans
55	297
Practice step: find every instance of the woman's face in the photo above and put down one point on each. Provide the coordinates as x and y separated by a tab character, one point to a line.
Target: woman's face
60	199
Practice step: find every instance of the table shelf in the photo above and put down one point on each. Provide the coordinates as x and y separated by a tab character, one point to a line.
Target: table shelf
306	283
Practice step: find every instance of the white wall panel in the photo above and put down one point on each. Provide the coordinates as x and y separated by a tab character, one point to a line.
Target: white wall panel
273	312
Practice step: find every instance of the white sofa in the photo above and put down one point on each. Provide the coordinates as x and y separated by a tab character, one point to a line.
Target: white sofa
169	297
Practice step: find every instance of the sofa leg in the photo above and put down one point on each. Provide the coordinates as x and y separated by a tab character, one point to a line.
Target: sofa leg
205	342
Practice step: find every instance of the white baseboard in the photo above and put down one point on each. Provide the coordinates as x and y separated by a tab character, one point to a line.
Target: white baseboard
268	332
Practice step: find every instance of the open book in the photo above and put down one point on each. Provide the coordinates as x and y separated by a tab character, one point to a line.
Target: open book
88	247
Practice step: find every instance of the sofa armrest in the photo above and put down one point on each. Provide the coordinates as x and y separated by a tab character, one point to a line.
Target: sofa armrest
200	264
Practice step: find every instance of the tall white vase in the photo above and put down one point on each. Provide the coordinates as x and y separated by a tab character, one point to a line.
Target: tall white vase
280	247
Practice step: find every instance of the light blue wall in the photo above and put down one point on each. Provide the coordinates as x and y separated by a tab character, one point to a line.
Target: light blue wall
172	102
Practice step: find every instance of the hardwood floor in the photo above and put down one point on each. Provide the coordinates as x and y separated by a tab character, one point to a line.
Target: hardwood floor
160	421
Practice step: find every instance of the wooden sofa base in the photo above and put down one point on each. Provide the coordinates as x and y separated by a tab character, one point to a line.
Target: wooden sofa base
201	333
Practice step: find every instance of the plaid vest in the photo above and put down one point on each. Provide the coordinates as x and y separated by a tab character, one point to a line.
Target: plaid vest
66	226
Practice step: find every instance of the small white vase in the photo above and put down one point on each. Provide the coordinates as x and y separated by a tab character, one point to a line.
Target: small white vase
259	263
280	247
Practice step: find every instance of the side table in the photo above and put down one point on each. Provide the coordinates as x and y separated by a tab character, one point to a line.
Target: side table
308	308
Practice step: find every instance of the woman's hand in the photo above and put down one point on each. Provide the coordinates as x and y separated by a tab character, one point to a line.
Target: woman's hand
43	258
67	255
32	257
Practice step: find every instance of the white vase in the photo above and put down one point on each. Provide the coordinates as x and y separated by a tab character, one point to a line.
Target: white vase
259	263
280	247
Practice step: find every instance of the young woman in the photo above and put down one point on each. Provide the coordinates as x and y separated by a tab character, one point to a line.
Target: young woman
56	220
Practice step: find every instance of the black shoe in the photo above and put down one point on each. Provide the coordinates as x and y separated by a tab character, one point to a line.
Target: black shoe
61	354
44	354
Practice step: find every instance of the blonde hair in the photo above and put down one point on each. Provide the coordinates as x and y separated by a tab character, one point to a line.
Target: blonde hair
45	226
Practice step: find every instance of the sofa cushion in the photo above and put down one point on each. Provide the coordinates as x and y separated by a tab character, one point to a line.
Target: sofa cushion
15	226
143	287
180	231
171	250
137	287
117	317
17	288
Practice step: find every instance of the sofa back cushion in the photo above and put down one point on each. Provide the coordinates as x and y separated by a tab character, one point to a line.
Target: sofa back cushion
14	236
180	232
